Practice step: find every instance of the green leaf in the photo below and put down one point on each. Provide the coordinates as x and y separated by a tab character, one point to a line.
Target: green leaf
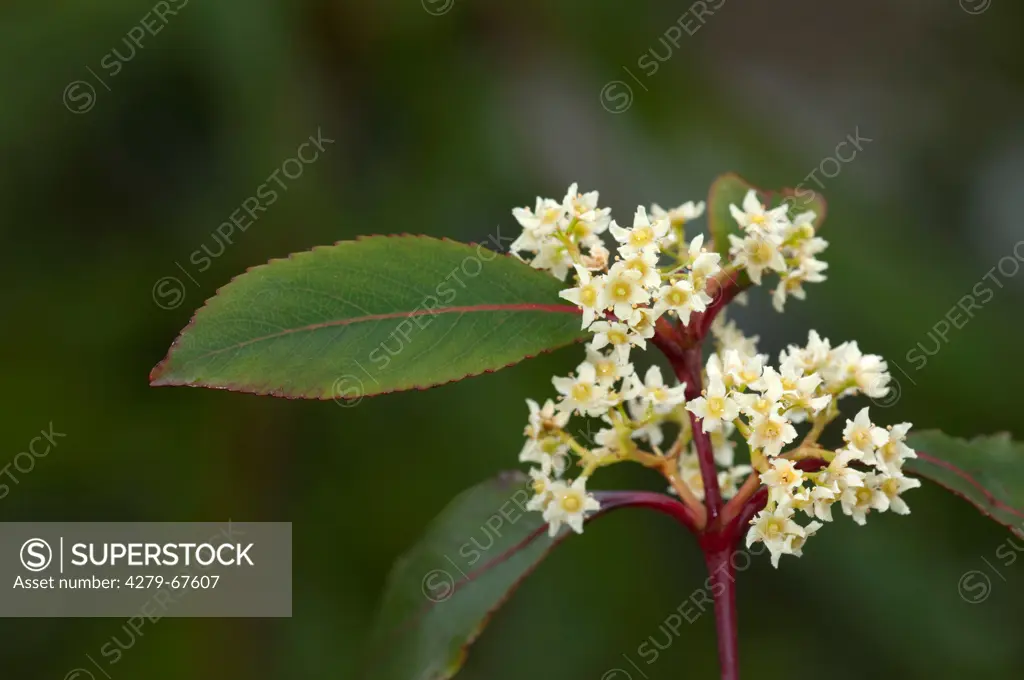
442	593
730	189
987	471
365	317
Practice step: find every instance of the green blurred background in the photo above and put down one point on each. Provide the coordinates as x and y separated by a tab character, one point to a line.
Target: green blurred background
444	115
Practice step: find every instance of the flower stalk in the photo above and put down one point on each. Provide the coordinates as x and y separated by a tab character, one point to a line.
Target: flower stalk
661	289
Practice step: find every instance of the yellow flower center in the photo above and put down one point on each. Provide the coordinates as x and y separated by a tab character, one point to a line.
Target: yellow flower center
588	296
889	452
621	291
757	219
716	407
762	252
605	369
641	236
580	229
891	487
638	264
677	297
643	324
774	528
571	502
864	495
539	486
617	338
581	391
771	430
861	439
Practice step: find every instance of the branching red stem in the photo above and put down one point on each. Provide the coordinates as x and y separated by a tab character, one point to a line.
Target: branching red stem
653	501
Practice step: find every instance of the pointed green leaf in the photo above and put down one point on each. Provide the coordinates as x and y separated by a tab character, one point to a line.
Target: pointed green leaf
730	189
441	594
365	317
987	471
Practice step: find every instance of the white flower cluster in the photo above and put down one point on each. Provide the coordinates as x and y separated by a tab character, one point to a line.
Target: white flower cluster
620	304
773	241
657	272
809	382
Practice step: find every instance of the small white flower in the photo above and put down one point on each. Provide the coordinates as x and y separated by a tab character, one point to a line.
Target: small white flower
590	220
569	504
823	499
623	291
544	420
742	370
757	406
776	529
643	236
553	257
588	295
800	391
868	372
703	265
800	236
892	486
816	502
652	390
757	252
642	320
541	485
755	218
769	384
641	412
864	436
583	393
716	407
771	434
796	546
792	282
610	368
544	444
618	335
538	224
679	215
890	456
782	479
550	453
813	358
858	501
681	299
644	263
838	476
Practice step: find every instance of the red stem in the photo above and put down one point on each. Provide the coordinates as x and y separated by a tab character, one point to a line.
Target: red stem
692	365
651	500
682	346
718	552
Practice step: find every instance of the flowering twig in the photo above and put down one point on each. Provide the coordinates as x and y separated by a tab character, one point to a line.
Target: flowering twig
632	300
